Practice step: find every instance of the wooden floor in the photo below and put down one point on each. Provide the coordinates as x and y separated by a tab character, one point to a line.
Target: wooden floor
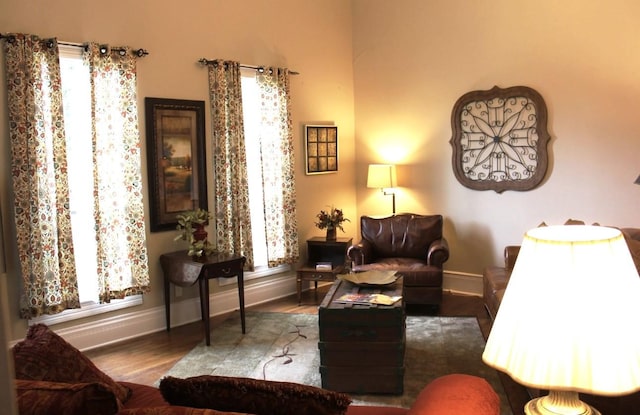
146	359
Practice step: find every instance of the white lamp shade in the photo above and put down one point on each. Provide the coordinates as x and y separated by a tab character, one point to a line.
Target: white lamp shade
382	176
570	316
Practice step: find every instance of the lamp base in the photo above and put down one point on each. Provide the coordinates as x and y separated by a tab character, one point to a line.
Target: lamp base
559	403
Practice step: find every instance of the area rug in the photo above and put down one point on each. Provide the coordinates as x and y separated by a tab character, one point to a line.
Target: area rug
284	347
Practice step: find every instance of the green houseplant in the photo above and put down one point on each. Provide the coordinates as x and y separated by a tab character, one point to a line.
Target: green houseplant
331	220
191	225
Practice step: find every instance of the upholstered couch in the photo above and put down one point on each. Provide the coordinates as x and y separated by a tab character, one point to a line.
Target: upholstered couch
411	244
52	377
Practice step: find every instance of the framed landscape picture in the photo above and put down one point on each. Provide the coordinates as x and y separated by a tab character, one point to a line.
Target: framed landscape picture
176	159
321	146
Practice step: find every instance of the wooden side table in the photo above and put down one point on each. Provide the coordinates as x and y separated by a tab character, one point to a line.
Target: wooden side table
319	249
183	270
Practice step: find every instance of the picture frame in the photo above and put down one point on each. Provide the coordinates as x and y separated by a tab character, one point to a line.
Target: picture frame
321	149
499	139
176	163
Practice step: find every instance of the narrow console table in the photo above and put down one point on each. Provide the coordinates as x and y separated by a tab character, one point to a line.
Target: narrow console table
183	270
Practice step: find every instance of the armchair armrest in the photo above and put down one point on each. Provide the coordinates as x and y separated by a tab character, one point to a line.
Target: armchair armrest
438	252
360	253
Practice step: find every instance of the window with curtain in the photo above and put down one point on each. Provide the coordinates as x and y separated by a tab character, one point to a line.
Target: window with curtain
253	164
76	173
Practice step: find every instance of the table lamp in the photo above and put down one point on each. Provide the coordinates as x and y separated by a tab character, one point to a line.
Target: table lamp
568	320
383	177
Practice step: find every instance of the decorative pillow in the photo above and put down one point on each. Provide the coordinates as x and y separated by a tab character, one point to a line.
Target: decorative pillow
43	355
43	398
260	397
457	394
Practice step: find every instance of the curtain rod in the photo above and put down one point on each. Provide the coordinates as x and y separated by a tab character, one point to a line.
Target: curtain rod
103	48
206	61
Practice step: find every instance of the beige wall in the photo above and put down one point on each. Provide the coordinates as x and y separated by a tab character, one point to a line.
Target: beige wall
413	59
311	37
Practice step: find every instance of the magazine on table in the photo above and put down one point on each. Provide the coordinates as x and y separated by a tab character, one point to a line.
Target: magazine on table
381	299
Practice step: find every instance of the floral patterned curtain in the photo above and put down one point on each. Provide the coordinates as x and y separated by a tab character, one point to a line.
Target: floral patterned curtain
118	206
276	138
232	215
40	186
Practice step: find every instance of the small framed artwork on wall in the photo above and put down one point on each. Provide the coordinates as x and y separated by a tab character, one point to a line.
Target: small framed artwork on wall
321	146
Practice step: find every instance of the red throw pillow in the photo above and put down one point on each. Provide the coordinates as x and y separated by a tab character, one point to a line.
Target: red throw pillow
43	355
457	394
37	397
254	396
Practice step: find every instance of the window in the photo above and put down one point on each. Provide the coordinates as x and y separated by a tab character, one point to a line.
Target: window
77	109
251	113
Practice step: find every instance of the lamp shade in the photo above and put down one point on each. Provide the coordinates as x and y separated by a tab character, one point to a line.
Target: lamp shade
570	314
382	176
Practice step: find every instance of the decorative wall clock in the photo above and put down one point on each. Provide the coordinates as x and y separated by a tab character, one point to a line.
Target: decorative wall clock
500	139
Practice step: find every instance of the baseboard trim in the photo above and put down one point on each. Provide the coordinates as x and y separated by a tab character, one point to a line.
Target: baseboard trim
462	282
130	325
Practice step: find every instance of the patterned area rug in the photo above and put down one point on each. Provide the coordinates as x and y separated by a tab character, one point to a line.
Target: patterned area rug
284	347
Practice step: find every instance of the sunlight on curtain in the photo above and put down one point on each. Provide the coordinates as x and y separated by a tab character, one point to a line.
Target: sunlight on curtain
119	211
40	184
232	214
278	170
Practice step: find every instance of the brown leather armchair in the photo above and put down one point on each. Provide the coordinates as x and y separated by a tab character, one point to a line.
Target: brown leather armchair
411	244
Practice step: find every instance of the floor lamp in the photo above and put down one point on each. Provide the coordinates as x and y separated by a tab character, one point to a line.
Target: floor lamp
383	177
568	319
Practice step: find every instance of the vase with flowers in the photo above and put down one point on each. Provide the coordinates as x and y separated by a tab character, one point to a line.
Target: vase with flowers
191	225
331	221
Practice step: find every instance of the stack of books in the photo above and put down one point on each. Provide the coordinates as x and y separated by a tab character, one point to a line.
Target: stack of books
368	299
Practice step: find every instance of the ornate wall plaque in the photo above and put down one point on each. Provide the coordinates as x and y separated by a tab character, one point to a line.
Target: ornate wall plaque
500	139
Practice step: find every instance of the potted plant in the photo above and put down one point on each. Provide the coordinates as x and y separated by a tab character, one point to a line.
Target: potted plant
191	223
331	220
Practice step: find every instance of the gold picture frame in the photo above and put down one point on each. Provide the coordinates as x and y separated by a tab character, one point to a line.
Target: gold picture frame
321	147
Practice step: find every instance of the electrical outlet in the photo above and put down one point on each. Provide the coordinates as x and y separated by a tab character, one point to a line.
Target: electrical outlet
177	291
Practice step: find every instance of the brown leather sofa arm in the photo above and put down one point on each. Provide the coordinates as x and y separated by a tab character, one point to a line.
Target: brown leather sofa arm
438	252
510	256
360	253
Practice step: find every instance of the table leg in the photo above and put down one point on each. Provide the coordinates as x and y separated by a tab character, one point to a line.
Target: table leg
167	303
241	299
204	308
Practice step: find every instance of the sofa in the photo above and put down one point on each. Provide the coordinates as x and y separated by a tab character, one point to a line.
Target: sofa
53	377
411	244
495	281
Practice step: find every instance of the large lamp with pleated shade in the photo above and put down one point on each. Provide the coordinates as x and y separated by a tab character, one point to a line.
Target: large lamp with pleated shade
569	319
